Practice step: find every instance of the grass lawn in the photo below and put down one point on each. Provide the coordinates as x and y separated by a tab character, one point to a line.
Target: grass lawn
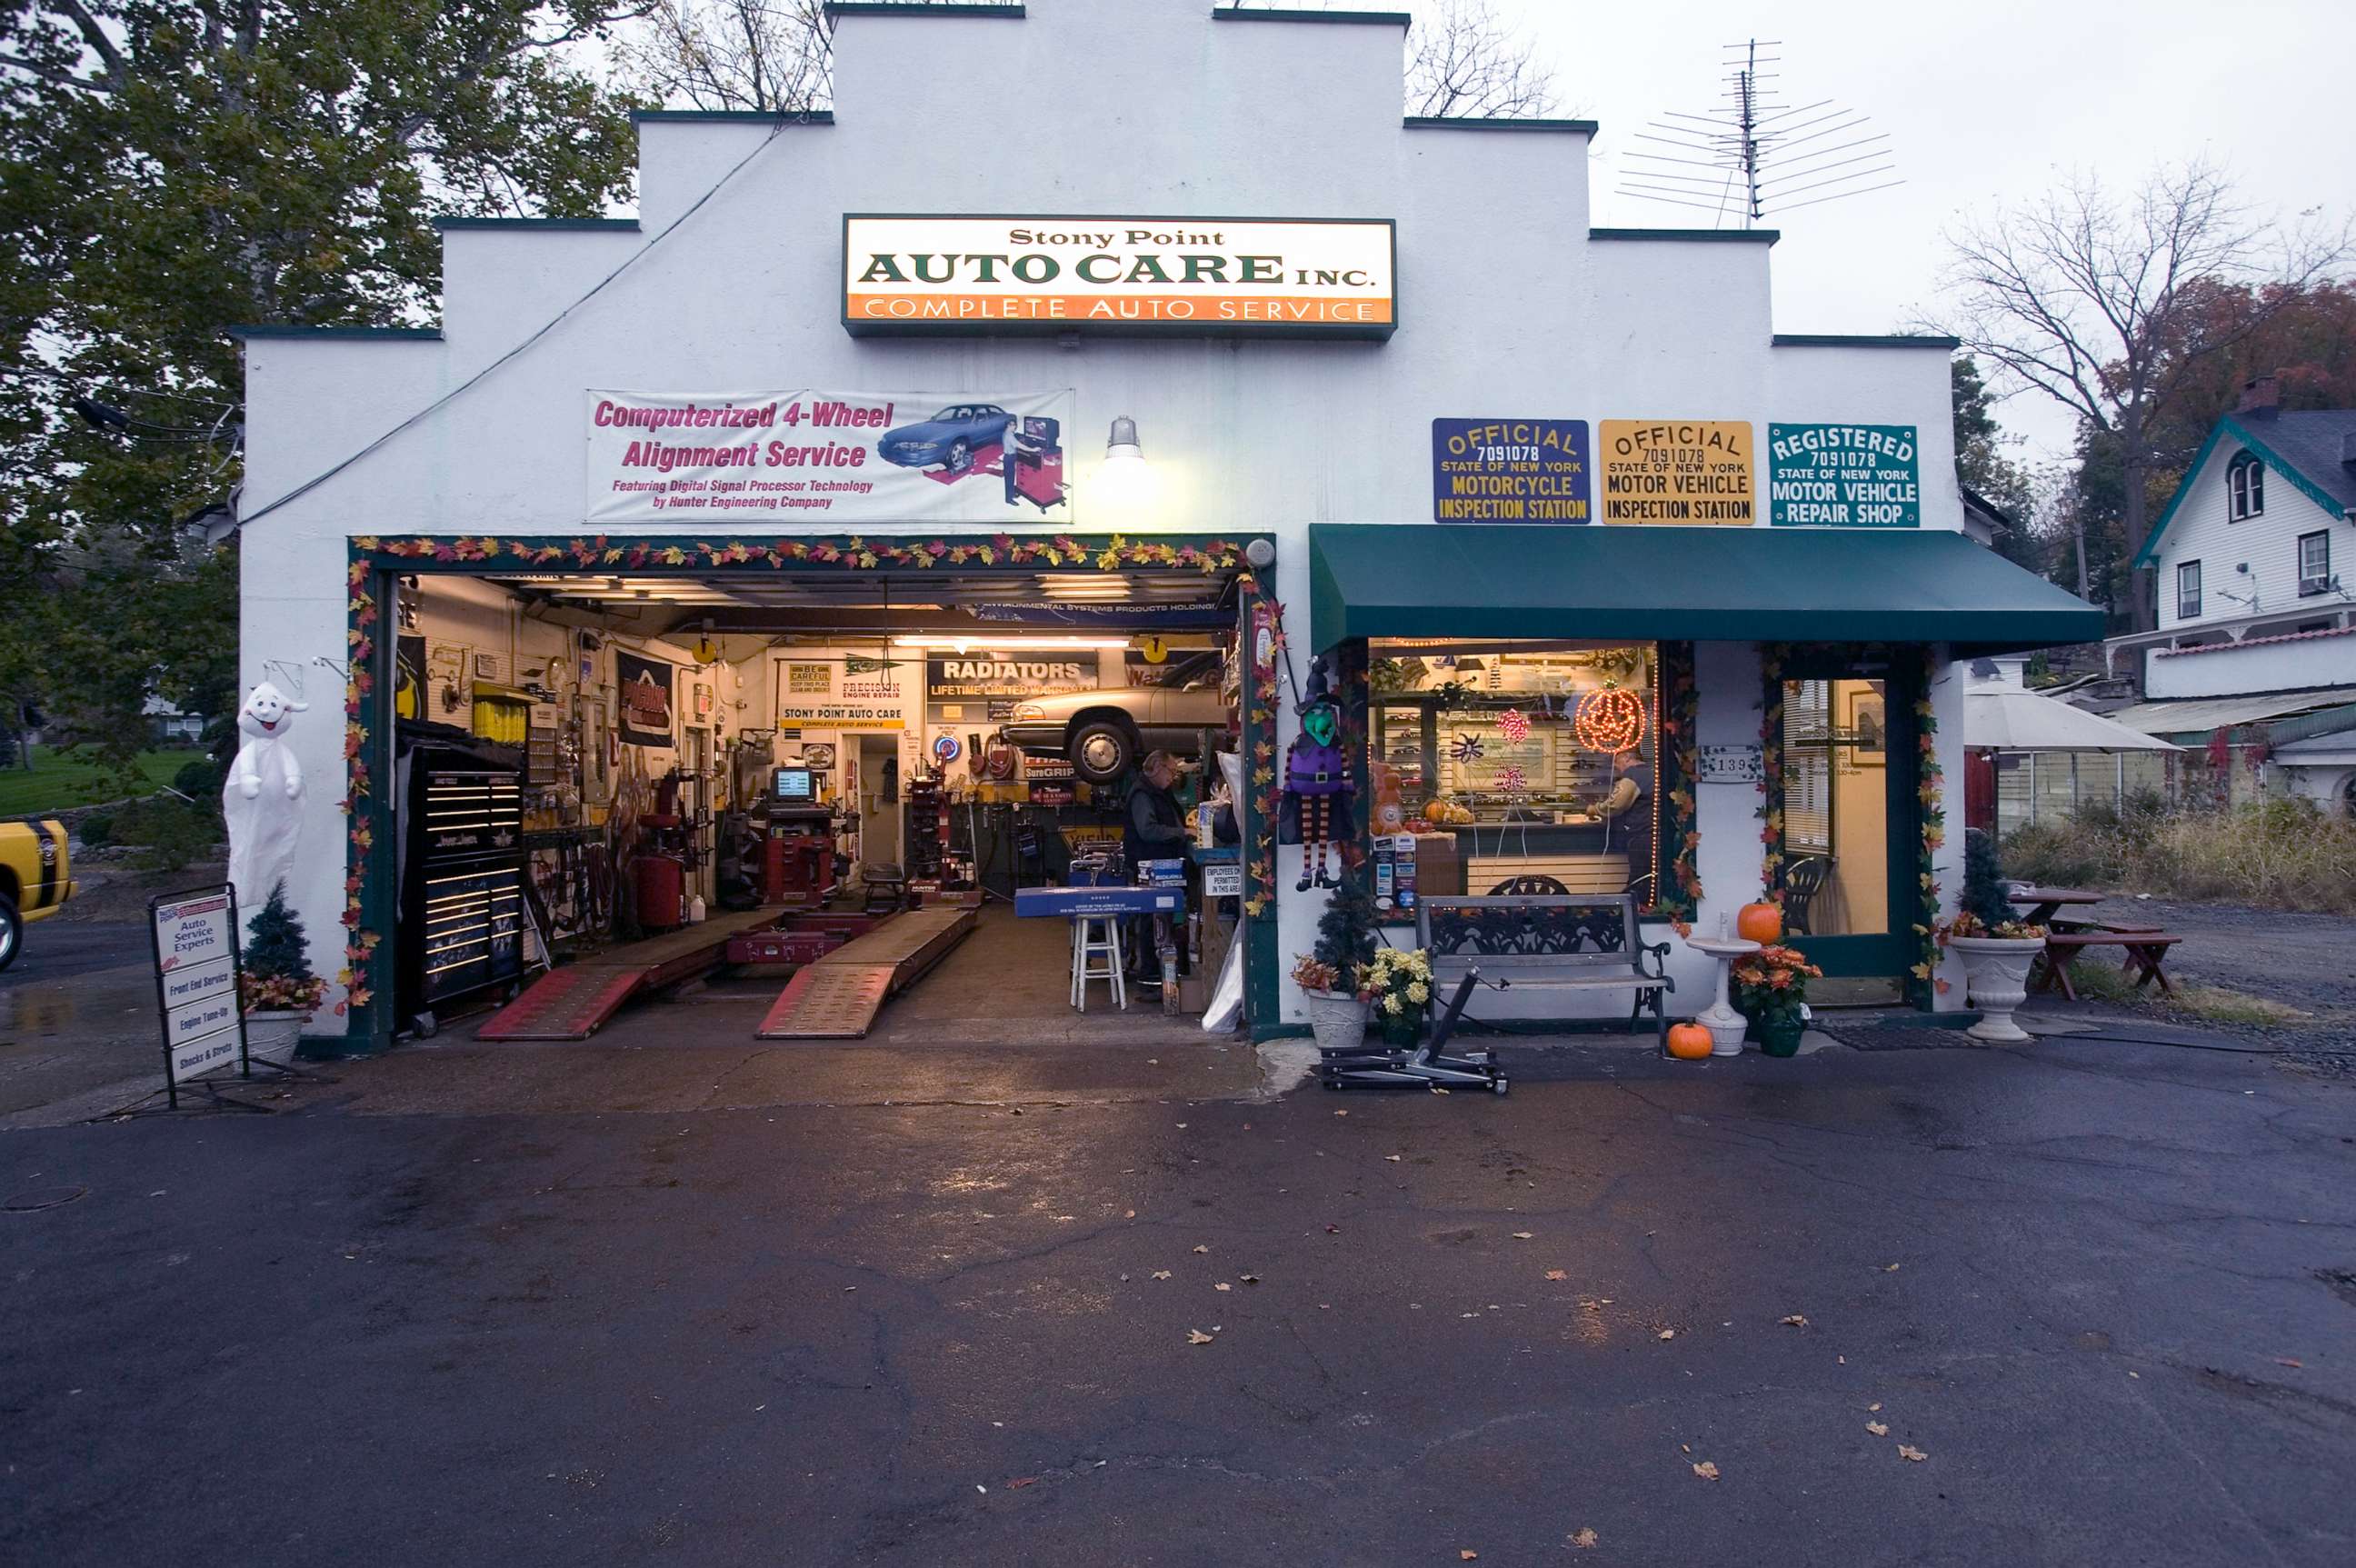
56	781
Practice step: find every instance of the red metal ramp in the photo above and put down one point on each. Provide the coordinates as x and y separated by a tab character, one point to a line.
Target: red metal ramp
837	998
572	1003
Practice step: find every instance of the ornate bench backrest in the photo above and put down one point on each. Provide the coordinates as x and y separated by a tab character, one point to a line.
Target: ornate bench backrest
1553	932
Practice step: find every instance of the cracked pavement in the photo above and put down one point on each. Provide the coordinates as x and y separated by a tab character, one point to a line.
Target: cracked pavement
2108	1292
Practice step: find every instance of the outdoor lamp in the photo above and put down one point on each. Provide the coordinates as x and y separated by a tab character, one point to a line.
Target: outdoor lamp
1125	479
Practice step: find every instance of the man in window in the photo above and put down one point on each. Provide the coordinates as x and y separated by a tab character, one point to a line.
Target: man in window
1627	813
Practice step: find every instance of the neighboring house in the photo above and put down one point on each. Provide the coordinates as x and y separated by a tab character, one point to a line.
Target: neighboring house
1983	519
2254	625
170	726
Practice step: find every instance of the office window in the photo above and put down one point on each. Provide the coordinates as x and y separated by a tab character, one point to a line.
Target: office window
2245	482
2187	591
2314	563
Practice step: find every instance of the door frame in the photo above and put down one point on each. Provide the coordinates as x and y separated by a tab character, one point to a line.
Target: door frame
1891	954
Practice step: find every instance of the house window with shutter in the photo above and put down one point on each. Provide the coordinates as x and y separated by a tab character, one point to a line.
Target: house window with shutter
2246	485
2314	563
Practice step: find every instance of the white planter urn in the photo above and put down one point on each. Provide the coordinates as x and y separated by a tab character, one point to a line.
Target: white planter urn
1338	1019
273	1036
1996	971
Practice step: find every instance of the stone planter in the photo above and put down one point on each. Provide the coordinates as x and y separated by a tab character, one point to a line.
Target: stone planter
1338	1019
273	1036
1996	971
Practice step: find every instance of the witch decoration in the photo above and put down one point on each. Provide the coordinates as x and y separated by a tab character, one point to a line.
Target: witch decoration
1317	784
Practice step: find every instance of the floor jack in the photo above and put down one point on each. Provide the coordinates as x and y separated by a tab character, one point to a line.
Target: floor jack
1416	1067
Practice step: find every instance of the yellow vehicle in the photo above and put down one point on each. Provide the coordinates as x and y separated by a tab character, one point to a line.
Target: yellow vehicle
34	879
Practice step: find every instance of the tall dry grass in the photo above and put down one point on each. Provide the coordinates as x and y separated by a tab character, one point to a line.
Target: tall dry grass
2274	855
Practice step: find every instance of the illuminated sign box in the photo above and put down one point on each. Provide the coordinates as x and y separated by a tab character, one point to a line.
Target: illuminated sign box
1271	277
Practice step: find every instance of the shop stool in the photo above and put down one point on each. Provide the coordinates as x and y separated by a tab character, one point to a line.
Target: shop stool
1089	946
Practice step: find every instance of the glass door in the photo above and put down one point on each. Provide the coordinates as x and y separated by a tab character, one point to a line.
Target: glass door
1849	816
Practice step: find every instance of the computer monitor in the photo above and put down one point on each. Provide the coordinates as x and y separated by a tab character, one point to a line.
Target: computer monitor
795	786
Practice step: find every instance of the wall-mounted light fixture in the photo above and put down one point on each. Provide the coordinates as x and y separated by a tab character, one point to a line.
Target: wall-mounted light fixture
1124	479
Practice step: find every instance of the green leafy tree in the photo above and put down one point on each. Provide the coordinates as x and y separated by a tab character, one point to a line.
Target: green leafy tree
172	169
1982	466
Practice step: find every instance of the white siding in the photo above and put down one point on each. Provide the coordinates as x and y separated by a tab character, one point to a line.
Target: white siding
2267	544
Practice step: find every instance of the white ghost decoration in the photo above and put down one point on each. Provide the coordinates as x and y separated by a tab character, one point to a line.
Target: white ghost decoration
263	797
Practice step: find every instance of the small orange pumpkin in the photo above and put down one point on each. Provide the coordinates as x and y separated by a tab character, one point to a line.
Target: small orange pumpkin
1761	923
1688	1042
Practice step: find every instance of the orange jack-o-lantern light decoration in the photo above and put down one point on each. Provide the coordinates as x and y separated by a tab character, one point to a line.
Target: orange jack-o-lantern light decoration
1610	719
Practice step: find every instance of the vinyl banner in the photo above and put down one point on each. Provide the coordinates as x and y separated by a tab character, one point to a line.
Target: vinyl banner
824	460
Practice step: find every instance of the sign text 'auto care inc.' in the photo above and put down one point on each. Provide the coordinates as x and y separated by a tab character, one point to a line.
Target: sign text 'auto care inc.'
826	457
1266	278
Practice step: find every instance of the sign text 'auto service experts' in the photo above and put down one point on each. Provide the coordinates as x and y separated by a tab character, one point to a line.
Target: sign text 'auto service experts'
1269	277
827	457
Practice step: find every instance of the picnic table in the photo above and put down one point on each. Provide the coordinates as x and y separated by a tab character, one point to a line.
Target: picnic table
2045	904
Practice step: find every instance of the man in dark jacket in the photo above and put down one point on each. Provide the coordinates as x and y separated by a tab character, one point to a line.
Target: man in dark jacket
1153	828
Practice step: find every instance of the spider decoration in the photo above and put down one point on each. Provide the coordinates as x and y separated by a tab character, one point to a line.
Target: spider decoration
1317	784
1467	748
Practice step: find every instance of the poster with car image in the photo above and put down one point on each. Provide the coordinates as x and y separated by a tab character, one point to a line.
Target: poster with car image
826	459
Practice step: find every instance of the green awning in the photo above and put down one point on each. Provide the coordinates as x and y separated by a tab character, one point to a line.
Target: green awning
1734	584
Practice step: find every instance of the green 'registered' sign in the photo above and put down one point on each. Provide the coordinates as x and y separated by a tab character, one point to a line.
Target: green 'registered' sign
1844	476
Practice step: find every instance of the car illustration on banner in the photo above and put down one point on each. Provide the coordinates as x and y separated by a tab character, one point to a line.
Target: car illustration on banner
949	438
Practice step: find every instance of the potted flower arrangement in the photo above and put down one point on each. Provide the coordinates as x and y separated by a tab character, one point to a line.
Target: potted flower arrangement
1771	989
1330	973
275	985
1997	948
1398	983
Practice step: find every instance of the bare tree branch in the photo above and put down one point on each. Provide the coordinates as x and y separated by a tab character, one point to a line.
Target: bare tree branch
1463	62
2093	301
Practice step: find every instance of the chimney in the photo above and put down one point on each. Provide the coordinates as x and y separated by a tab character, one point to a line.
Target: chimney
2261	397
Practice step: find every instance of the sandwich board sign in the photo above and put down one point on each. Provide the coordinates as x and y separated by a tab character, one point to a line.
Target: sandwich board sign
194	935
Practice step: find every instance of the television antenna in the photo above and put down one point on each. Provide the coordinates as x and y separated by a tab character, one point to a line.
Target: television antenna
1753	155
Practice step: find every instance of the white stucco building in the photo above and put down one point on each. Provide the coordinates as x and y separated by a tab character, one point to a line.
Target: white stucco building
456	457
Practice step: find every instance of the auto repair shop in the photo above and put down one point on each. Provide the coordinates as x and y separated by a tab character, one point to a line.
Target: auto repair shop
844	605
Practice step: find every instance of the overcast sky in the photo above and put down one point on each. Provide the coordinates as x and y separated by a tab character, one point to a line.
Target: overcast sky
1983	102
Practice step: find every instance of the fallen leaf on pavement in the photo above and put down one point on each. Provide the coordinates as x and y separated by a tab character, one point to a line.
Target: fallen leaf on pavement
1889	1268
1332	1229
1202	1248
1023	1481
1523	1235
1668	1334
1196	1336
2286	1361
1223	1285
1392	1158
1248	1279
1916	1455
1875	1405
1341	1113
1795	1321
1162	1273
1583	1539
1131	1214
1706	1470
1877	1428
1558	1274
1467	1555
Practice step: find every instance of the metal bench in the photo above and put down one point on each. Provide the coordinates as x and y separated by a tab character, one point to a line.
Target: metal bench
1559	943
